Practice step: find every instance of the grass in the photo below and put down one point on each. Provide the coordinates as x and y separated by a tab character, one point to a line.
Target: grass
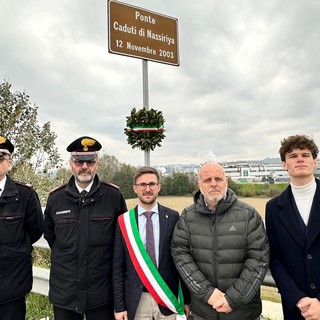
38	307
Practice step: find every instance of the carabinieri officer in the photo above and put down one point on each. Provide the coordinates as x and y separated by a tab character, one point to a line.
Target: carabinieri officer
20	226
80	219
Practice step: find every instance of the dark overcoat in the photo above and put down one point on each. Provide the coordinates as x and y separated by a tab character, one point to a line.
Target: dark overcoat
294	252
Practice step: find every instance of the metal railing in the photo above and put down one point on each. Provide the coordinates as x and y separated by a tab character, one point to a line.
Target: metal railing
41	275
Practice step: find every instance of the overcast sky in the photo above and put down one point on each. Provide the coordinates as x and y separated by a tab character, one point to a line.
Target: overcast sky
249	75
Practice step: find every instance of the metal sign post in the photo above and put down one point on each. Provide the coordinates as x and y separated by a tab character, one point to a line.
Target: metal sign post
144	34
145	102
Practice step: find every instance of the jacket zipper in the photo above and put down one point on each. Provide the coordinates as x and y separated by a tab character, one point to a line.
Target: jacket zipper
215	268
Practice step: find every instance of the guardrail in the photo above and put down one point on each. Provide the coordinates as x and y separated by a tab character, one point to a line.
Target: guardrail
41	275
40	281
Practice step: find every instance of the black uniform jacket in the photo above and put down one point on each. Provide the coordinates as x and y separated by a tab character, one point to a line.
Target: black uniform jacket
80	233
127	285
20	226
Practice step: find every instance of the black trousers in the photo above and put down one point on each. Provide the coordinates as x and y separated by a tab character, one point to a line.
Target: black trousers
15	310
105	312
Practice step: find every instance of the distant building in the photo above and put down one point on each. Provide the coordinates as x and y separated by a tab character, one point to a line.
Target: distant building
246	172
271	173
242	172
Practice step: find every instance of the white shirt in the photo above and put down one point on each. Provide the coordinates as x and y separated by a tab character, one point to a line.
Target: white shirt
2	184
87	188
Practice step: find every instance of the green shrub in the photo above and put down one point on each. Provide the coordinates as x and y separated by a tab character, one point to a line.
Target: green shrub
235	187
257	190
250	190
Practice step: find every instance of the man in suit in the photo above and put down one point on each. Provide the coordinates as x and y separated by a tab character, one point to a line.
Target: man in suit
142	256
293	228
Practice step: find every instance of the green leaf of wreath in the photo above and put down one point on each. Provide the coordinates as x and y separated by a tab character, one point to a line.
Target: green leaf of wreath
145	129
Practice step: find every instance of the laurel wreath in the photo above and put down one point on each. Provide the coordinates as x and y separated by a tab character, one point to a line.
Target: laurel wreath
145	129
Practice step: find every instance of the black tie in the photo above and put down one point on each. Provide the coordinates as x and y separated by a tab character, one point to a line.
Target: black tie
83	194
150	238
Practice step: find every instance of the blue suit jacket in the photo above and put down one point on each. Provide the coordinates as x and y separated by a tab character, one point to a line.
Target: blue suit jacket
127	285
294	257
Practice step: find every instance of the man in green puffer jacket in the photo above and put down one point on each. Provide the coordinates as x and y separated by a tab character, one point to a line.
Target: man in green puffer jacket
221	251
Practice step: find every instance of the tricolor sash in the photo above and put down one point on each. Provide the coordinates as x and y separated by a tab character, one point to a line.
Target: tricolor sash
145	268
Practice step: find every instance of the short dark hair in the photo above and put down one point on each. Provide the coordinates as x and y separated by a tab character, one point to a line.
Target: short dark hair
298	142
145	170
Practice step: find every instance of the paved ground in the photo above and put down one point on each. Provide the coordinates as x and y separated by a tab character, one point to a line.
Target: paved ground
271	310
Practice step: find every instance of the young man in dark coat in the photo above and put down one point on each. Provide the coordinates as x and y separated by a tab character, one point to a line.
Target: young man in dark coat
293	228
80	219
20	226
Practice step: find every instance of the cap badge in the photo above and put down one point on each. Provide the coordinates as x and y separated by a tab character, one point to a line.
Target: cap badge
87	143
2	140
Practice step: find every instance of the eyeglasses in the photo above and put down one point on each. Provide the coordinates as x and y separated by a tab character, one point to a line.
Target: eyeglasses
143	186
80	163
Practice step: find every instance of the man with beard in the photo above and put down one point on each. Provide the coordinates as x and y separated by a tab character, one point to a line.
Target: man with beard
221	251
145	280
79	225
